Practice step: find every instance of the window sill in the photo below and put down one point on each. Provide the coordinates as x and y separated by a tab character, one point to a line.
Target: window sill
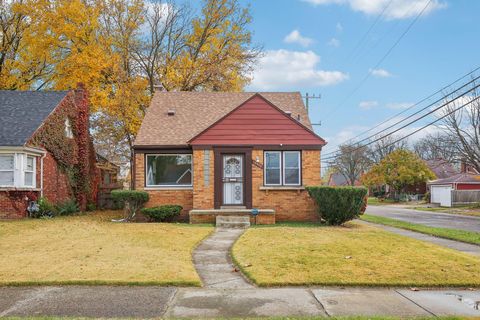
18	189
285	188
168	188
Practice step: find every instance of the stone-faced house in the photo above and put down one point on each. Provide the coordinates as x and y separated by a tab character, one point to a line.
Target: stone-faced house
216	153
45	149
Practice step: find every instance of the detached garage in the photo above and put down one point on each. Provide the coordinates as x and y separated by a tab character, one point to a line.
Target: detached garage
463	188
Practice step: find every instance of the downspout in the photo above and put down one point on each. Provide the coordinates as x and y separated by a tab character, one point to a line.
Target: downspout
41	174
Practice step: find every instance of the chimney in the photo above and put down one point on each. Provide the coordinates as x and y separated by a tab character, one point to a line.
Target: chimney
463	166
157	86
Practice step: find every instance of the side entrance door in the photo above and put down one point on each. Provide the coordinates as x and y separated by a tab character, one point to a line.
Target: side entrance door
233	179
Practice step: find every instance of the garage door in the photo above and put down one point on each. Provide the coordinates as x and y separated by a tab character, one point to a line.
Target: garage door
442	195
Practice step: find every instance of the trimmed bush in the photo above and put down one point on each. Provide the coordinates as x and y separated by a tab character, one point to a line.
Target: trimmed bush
131	200
337	205
162	213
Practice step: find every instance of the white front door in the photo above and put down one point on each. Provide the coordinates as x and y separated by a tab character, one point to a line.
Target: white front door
233	179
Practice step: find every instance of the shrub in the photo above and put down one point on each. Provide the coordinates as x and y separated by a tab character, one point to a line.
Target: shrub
91	206
162	213
337	205
67	207
131	200
45	209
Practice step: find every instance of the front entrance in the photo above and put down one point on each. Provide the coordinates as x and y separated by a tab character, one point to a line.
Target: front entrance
233	179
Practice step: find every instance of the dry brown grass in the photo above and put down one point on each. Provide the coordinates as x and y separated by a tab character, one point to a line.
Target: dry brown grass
353	255
90	249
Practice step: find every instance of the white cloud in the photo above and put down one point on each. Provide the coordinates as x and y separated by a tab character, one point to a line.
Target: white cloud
284	68
380	73
394	9
339	27
399	105
367	105
296	37
334	42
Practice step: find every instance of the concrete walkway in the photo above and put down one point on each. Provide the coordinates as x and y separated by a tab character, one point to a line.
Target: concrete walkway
213	263
432	219
451	244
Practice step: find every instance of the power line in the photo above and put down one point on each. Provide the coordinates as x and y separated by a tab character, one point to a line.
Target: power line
412	106
381	60
413	121
362	39
414	114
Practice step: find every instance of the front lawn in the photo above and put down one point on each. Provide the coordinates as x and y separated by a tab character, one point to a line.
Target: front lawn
353	255
452	234
90	249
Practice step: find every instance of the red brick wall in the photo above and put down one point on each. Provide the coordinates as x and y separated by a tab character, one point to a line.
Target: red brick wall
56	187
158	197
13	204
289	205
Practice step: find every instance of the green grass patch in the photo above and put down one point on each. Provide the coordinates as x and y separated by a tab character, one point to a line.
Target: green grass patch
452	234
350	255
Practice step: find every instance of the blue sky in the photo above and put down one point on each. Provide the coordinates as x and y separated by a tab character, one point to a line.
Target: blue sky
312	46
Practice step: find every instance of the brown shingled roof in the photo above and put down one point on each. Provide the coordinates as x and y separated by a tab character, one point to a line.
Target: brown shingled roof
196	111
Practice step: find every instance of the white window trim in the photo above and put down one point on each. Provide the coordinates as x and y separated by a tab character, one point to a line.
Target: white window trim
163	186
299	169
68	128
19	160
265	168
12	171
34	171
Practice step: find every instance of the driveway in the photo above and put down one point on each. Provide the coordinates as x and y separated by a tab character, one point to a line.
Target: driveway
432	219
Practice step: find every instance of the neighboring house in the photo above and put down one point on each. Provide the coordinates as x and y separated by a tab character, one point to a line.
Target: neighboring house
108	181
216	151
443	191
441	168
45	149
337	179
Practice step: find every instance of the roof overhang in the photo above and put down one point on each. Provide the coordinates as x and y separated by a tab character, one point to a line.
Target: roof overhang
8	149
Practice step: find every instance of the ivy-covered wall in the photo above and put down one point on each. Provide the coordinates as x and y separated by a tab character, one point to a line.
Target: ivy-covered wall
74	157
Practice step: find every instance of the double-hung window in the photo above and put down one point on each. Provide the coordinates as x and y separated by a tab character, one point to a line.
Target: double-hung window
17	170
282	168
169	170
7	170
29	171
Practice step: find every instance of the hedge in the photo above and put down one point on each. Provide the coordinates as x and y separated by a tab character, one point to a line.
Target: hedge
337	205
162	213
132	200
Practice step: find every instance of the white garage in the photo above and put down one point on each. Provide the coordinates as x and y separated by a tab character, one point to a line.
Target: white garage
441	194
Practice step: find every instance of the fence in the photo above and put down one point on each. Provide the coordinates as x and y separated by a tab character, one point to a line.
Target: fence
104	198
460	197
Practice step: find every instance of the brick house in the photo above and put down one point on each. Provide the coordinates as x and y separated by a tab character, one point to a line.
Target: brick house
226	153
44	142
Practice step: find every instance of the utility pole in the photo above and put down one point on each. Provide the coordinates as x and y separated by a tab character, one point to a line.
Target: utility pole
307	100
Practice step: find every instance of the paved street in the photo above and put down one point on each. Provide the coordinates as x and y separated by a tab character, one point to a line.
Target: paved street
432	219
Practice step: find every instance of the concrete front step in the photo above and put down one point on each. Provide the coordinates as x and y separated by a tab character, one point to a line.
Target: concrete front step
232	221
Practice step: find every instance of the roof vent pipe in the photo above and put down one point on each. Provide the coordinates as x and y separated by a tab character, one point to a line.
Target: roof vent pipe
171	113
